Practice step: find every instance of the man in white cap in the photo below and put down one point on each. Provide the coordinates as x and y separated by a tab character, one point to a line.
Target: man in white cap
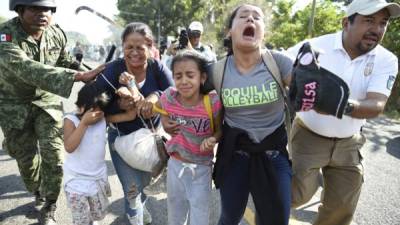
195	32
323	142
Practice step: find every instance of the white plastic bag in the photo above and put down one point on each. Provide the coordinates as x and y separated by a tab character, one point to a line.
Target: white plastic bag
139	149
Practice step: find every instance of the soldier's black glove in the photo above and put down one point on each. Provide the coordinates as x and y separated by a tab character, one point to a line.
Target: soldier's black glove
314	87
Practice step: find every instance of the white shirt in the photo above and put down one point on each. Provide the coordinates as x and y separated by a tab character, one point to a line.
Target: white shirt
167	60
374	71
206	52
85	166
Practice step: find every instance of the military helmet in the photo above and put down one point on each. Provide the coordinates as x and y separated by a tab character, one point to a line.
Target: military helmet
44	3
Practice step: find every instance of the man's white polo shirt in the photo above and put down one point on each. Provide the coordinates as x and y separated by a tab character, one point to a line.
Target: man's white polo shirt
374	71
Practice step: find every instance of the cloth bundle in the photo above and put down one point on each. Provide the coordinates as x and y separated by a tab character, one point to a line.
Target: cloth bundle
143	149
313	87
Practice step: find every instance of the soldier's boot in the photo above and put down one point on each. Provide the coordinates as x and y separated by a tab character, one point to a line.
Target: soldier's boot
47	213
39	200
146	216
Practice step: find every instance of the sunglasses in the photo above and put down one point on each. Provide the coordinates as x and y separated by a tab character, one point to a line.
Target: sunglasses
36	9
194	34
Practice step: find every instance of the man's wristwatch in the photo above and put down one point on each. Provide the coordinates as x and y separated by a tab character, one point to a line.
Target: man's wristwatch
348	110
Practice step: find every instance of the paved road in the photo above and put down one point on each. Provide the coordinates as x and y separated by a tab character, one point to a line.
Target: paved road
379	203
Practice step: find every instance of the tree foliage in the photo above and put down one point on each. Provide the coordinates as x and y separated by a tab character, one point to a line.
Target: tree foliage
287	29
116	31
172	13
74	37
178	14
2	19
392	42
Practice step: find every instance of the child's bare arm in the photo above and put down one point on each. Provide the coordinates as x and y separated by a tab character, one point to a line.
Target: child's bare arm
209	143
130	88
73	135
170	126
128	115
145	106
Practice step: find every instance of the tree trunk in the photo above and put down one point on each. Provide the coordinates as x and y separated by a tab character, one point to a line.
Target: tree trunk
393	102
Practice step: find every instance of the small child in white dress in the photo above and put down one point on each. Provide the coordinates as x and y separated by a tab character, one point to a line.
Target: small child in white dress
85	172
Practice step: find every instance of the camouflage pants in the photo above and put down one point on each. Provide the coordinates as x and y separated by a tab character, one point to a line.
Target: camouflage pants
40	168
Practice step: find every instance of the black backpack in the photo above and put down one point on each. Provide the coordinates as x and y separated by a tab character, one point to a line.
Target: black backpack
314	87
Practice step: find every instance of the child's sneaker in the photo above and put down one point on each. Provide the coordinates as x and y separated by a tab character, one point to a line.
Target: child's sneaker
146	216
133	220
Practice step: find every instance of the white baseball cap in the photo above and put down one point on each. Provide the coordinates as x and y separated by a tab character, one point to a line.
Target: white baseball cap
196	25
368	7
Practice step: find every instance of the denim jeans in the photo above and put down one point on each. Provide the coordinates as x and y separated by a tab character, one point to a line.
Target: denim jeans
235	189
132	180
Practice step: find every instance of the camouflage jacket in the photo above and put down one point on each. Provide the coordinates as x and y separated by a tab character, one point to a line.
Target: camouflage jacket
32	73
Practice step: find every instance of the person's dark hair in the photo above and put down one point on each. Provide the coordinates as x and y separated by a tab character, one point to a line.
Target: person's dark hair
89	97
201	62
352	18
228	40
232	16
137	27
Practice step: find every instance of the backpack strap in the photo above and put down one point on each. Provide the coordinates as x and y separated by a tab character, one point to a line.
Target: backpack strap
218	73
270	62
218	70
207	105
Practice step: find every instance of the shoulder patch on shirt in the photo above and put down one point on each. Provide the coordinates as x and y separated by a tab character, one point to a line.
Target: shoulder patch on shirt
368	69
390	82
5	37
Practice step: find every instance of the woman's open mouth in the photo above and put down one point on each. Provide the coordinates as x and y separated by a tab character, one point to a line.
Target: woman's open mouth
249	33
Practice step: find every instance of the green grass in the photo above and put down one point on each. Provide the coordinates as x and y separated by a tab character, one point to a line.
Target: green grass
394	114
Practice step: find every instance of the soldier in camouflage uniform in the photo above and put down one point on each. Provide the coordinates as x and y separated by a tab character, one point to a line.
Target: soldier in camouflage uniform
33	74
